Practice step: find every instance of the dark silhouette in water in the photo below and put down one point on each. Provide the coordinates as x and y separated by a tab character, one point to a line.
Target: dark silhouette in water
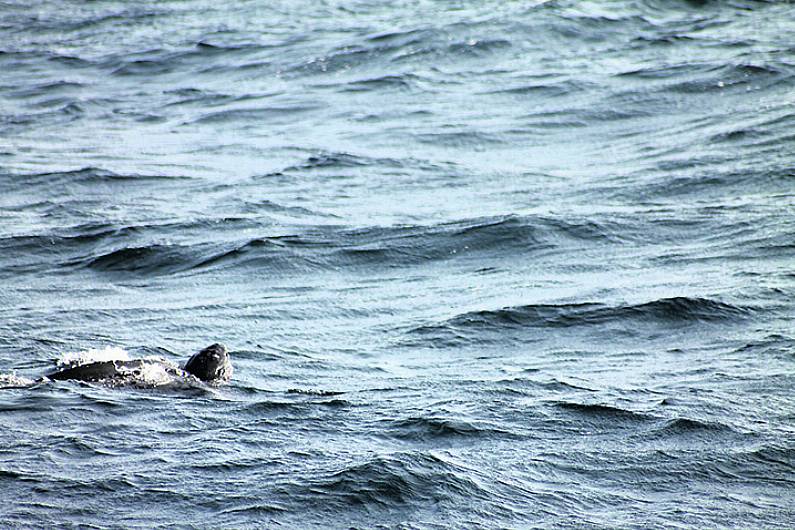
211	365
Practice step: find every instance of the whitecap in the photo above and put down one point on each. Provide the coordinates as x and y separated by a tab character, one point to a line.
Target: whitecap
13	380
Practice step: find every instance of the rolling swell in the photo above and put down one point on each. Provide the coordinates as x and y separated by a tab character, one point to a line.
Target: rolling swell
394	481
83	177
152	259
685	428
321	248
438	429
608	413
156	259
509	235
676	311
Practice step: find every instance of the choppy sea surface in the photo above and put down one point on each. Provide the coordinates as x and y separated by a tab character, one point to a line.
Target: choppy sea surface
480	264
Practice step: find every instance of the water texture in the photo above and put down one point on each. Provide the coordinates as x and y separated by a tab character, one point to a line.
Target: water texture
490	264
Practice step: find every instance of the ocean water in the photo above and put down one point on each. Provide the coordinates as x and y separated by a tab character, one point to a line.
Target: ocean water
479	264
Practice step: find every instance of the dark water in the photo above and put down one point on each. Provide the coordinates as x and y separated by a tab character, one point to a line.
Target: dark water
480	264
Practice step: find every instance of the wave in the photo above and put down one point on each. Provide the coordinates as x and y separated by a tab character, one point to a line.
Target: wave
332	247
692	427
777	455
469	237
595	412
67	239
642	145
548	88
330	162
209	48
436	428
389	49
254	114
98	243
300	408
200	98
400	82
565	315
417	244
463	138
142	67
58	111
400	479
82	176
162	259
346	58
726	78
341	160
49	88
470	326
313	392
533	387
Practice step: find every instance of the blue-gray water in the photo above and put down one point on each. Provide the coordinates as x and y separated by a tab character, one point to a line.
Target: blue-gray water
480	264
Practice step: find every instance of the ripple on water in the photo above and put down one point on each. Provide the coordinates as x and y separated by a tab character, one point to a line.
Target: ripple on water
481	264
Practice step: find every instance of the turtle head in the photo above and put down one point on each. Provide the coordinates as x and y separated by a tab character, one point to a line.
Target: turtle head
211	364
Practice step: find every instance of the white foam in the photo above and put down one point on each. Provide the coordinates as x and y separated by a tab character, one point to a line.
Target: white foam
13	380
93	355
155	371
151	374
